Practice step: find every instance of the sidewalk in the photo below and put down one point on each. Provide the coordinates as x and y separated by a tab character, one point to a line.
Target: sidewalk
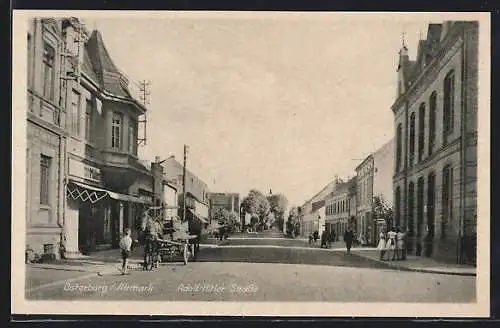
418	264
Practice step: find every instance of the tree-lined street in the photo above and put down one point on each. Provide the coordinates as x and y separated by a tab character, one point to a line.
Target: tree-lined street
259	268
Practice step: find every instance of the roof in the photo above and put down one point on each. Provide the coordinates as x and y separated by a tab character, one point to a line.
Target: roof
99	65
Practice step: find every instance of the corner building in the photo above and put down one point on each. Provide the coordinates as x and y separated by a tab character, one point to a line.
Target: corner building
435	116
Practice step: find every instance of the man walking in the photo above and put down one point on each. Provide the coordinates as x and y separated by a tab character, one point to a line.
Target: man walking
348	239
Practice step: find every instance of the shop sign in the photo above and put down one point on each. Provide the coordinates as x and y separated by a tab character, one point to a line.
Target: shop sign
92	173
78	169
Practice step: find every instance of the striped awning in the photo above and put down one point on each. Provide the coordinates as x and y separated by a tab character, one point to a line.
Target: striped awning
84	192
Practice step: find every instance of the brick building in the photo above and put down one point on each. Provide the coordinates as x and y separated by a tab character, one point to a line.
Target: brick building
435	120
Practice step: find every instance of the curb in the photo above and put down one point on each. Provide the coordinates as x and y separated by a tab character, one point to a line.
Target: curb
421	270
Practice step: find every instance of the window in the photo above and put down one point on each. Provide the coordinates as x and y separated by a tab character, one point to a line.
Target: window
448	102
88	120
398	206
30	60
132	140
421	131
116	130
74	113
447	199
45	164
412	139
411	208
432	121
399	147
48	71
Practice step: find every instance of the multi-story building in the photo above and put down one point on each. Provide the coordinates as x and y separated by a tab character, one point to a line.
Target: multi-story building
337	210
46	136
197	201
373	178
339	206
435	119
313	212
107	187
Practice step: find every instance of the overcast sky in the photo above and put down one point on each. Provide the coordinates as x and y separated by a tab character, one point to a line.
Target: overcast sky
268	101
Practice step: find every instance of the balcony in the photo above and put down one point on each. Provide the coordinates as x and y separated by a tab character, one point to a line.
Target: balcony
43	109
120	169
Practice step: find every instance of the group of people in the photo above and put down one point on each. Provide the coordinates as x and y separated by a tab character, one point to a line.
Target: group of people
392	245
151	231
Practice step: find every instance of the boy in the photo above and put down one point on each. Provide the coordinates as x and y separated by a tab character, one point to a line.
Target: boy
125	245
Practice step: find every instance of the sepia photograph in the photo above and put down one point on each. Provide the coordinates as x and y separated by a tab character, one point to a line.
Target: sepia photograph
258	163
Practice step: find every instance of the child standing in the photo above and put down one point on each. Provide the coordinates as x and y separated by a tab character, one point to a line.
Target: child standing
125	245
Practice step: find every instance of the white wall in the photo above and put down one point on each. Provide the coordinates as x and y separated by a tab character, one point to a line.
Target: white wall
384	171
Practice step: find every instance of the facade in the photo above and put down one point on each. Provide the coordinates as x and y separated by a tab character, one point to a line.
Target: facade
46	137
170	191
229	201
314	208
374	178
435	118
364	200
197	201
339	209
107	187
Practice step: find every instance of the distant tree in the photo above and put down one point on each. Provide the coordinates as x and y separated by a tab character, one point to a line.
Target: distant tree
256	203
278	204
382	210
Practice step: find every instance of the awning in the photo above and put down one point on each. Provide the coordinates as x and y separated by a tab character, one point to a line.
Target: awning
86	192
197	216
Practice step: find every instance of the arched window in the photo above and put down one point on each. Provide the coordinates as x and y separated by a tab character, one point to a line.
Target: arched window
412	139
432	121
448	103
421	131
399	147
447	199
397	207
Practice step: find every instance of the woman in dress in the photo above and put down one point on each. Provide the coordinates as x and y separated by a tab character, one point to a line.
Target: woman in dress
391	244
381	245
400	244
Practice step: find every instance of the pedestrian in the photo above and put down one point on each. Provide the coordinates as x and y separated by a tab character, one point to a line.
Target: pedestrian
381	245
331	239
324	239
400	245
125	245
316	236
348	239
391	244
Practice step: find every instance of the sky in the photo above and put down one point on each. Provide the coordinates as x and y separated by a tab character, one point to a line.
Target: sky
267	101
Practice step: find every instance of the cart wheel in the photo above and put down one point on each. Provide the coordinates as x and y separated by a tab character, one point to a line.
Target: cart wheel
186	254
149	262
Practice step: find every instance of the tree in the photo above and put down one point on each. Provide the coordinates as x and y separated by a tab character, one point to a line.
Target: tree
382	210
256	203
225	218
278	204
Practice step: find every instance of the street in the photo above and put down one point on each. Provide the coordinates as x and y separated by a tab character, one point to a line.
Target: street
254	274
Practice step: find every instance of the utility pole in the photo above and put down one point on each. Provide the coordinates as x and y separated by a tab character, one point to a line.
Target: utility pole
184	185
144	87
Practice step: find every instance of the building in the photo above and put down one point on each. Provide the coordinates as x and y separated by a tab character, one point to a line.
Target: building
313	212
170	191
107	187
46	137
229	201
339	208
435	119
373	179
197	201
